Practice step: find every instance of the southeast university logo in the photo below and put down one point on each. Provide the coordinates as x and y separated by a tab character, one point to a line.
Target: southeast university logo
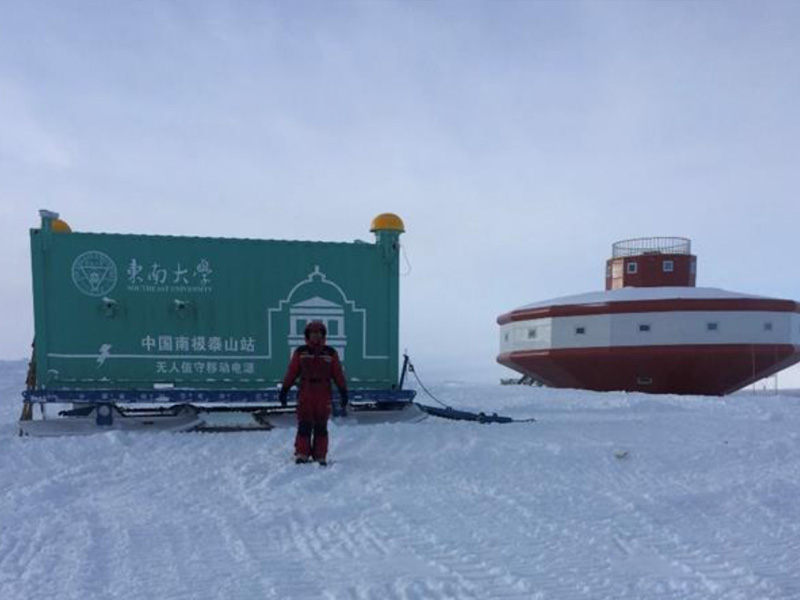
94	273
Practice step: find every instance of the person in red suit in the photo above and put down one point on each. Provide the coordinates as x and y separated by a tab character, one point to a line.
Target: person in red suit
316	365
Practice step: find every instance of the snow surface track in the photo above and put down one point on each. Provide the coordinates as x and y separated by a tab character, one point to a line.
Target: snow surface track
606	496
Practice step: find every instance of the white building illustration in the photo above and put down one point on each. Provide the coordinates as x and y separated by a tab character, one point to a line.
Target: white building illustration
317	298
317	309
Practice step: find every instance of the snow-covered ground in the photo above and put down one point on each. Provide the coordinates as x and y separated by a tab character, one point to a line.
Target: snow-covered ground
605	496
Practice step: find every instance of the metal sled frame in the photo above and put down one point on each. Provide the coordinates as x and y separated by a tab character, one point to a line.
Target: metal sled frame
176	409
179	409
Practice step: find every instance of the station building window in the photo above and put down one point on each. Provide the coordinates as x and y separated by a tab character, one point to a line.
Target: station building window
300	326
532	333
644	327
668	266
712	326
768	326
642	380
632	268
580	330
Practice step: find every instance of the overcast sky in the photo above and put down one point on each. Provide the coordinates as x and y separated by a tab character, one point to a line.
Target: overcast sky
517	140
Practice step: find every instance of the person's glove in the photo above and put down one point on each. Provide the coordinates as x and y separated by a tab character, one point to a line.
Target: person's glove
282	397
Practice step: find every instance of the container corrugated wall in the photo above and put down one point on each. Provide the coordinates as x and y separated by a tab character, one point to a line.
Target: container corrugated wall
130	311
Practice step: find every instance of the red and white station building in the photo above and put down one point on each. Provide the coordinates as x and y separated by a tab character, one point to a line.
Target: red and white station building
652	330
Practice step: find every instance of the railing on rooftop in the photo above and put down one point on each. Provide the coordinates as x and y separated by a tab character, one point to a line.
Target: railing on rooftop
652	245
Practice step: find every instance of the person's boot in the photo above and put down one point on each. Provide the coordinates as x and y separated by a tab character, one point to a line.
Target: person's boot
300	459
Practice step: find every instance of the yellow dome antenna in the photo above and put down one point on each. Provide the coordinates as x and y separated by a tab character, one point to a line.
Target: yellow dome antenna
387	228
387	222
60	226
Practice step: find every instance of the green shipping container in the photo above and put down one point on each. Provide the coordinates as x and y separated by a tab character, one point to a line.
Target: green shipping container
128	312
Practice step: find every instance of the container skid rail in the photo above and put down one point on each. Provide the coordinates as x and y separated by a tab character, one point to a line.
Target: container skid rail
197	410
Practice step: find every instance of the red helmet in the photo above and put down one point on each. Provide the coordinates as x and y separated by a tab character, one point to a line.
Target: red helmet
316	326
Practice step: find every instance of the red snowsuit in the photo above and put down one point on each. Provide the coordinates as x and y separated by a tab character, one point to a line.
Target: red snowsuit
316	365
